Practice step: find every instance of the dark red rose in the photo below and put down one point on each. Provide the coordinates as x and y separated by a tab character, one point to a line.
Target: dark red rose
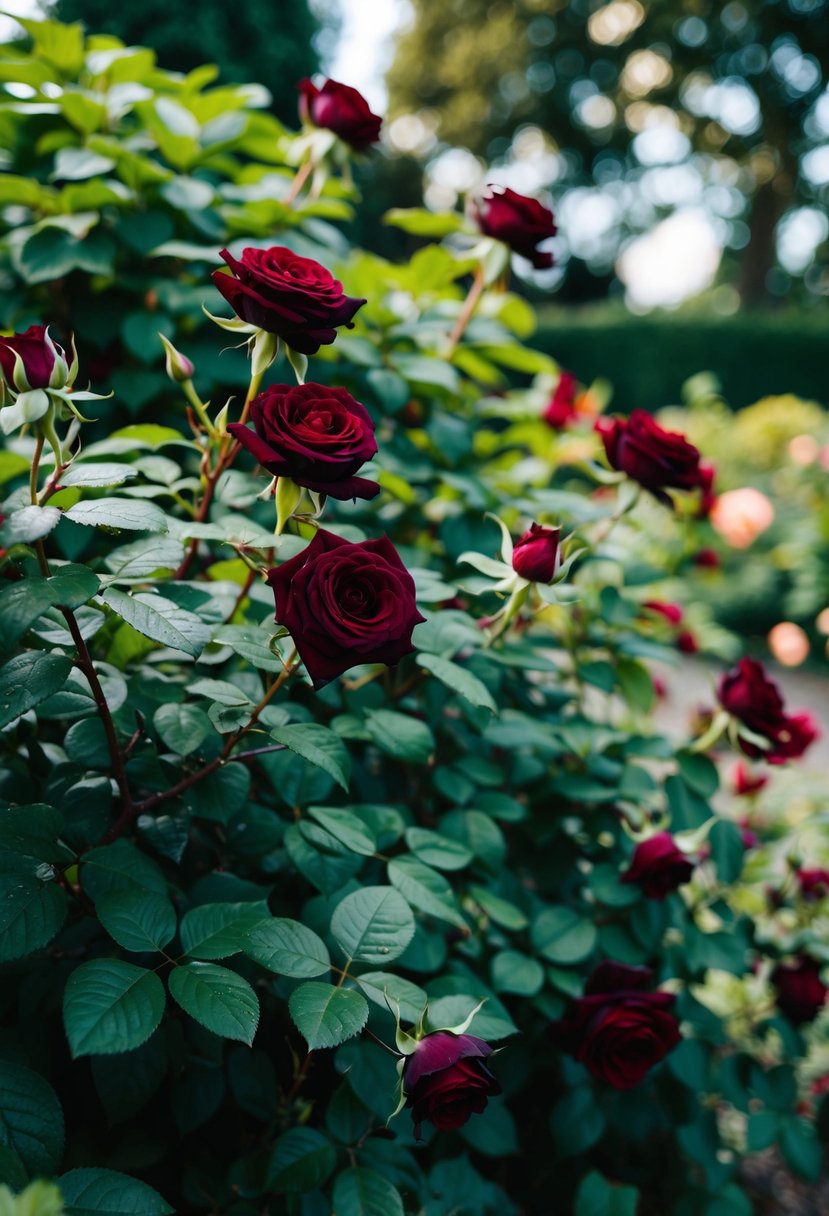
687	642
340	109
518	221
746	782
537	556
561	408
296	298
671	612
445	1080
345	604
801	992
708	498
658	459
707	559
748	694
813	883
658	866
316	435
617	1030
33	360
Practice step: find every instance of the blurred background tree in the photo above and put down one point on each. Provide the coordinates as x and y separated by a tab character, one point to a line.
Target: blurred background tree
645	108
255	41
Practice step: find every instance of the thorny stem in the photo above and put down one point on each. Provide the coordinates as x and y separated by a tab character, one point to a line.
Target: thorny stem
465	315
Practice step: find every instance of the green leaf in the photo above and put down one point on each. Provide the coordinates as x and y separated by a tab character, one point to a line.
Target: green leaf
319	746
326	1016
301	1161
28	524
346	827
183	728
577	1122
217	998
160	620
383	987
436	850
598	1197
221	795
287	947
131	514
31	912
400	736
518	973
213	931
137	920
102	473
99	1192
119	866
111	1006
31	1119
373	925
253	645
763	1127
32	830
498	909
801	1148
420	222
459	680
563	936
27	680
363	1192
425	889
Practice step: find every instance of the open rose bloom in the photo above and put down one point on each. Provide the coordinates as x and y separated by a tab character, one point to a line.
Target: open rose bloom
754	700
445	1080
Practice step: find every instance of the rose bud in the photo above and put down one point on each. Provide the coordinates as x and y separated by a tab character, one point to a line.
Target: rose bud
658	866
315	435
801	992
707	559
178	367
345	603
687	643
445	1080
618	1030
33	360
278	291
340	109
561	409
658	459
747	693
747	783
537	555
671	612
749	838
517	221
814	883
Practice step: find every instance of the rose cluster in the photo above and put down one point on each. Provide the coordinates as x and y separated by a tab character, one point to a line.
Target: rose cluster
755	702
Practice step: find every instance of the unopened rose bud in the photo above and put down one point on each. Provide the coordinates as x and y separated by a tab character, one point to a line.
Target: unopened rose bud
179	368
33	360
537	555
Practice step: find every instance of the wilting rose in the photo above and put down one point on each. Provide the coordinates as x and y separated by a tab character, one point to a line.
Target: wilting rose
445	1080
278	291
618	1030
33	360
658	459
561	408
537	555
813	882
345	604
801	993
316	435
518	221
748	694
747	783
658	866
340	109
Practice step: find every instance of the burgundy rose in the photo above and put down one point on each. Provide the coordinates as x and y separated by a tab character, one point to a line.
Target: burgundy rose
33	360
345	603
707	559
687	642
658	459
316	435
813	882
747	783
340	109
801	992
748	694
618	1030
518	221
537	556
671	612
445	1080
561	408
658	866
296	298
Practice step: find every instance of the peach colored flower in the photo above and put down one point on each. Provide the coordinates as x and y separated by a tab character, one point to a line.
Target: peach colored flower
740	516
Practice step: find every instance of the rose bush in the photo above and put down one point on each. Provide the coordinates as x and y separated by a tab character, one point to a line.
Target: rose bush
282	804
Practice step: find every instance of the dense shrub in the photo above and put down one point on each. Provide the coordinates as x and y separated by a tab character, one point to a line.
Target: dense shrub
266	881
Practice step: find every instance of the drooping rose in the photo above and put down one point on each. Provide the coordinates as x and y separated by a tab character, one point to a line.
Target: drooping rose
561	408
813	882
445	1080
537	555
33	360
748	694
317	435
617	1029
279	291
518	221
801	993
340	109
345	603
658	866
659	460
